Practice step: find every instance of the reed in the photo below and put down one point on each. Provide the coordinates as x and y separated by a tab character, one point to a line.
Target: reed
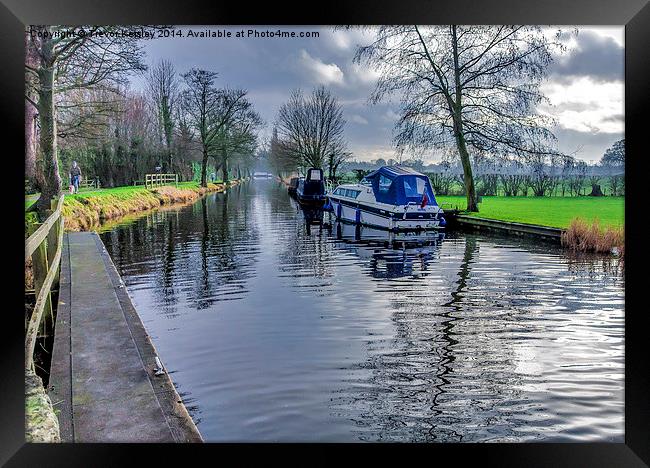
584	237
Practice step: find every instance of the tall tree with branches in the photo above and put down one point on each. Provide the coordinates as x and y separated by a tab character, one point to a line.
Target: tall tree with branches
210	111
68	59
469	87
163	87
238	139
310	129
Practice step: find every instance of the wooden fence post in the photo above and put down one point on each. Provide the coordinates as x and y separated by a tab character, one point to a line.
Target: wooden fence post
40	267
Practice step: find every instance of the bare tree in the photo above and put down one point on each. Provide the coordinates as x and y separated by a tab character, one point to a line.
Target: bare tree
464	86
164	92
578	176
615	155
70	58
210	110
310	129
279	159
238	140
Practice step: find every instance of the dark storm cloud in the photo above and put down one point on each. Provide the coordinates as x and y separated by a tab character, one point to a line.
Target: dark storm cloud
597	57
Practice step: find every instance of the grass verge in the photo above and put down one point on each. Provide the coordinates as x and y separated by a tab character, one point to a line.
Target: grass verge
556	212
87	210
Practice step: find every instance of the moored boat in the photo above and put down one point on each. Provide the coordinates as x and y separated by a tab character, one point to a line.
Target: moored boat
311	188
392	197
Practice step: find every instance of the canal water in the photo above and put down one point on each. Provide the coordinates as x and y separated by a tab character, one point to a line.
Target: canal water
275	329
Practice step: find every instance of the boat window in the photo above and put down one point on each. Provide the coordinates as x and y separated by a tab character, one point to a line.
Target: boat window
413	186
354	193
384	183
314	175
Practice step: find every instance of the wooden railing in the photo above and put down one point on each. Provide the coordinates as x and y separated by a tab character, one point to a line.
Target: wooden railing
156	180
90	183
44	247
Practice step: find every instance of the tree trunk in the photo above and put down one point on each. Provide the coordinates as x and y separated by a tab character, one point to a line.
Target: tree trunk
204	168
30	142
456	108
468	177
225	169
31	114
51	183
596	191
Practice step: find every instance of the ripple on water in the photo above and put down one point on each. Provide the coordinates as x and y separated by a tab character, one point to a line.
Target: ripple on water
276	332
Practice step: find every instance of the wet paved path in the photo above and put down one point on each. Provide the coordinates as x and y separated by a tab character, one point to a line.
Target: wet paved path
100	383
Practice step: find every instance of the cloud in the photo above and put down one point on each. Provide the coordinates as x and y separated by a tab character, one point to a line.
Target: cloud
390	116
348	39
589	147
594	55
321	73
585	105
358	119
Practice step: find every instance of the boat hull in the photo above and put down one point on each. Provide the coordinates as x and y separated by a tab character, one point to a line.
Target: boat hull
383	219
311	200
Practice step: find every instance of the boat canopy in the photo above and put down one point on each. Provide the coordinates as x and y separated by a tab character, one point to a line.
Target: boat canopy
313	183
397	185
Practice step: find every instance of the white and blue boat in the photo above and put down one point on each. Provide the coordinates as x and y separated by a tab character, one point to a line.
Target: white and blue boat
392	197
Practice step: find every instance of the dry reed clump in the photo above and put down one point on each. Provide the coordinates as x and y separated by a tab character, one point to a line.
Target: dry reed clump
584	237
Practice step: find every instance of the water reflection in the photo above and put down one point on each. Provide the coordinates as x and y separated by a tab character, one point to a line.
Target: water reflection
281	324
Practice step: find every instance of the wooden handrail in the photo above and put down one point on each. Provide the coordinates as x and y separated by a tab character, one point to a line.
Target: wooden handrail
49	267
32	243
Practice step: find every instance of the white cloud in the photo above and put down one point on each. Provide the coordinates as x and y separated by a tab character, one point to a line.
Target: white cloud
586	106
615	32
358	119
350	38
364	75
321	73
390	116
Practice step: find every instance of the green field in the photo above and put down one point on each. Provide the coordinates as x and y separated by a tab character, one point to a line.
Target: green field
545	211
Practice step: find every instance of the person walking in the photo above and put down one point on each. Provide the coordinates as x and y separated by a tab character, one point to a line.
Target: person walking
75	177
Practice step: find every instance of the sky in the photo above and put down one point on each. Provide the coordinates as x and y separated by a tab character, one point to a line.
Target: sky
585	85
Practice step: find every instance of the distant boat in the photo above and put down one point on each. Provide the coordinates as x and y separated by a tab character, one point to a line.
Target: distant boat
311	188
392	197
262	175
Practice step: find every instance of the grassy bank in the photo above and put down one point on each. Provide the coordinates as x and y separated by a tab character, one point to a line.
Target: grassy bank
556	212
87	210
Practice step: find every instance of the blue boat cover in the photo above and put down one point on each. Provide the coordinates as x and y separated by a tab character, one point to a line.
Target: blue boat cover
313	184
397	185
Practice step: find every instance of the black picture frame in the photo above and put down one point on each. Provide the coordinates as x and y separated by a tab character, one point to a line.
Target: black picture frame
634	14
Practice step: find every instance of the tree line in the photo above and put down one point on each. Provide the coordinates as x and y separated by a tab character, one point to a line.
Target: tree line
80	105
471	92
